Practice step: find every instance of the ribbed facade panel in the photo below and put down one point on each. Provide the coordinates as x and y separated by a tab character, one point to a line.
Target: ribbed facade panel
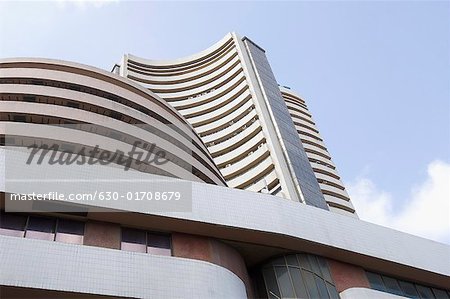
329	180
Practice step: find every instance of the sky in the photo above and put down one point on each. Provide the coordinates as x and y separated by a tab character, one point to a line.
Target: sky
375	75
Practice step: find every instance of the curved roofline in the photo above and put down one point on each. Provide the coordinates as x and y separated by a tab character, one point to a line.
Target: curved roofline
94	69
290	91
172	62
123	80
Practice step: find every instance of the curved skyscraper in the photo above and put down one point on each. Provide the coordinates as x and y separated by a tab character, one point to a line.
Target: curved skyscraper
213	91
197	177
230	96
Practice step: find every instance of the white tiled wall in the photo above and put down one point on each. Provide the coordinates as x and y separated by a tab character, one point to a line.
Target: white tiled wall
86	269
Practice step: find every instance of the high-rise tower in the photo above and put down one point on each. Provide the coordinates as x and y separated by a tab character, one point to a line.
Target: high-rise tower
253	131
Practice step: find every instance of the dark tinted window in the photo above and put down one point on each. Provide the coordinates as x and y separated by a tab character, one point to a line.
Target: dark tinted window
324	268
41	224
284	281
424	292
440	294
292	281
133	236
311	284
142	241
314	264
279	262
158	241
303	259
70	231
271	283
299	285
41	228
72	227
408	289
332	291
404	288
292	260
392	285
12	221
375	281
323	293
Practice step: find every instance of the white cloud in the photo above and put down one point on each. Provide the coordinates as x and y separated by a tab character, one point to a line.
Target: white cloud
426	212
84	4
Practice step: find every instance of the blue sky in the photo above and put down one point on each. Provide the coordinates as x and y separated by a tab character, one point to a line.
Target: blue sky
376	75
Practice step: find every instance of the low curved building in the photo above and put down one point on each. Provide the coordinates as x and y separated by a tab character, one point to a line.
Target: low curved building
94	107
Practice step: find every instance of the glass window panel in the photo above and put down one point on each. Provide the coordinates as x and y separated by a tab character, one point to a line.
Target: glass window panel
325	270
158	241
12	225
41	228
409	289
310	284
303	259
279	261
440	294
284	282
271	283
260	285
133	240
392	285
332	291
299	285
323	293
70	231
314	264
73	227
136	236
41	224
292	260
424	292
375	281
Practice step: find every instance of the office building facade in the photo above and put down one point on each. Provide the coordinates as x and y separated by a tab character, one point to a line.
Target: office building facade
269	216
231	97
